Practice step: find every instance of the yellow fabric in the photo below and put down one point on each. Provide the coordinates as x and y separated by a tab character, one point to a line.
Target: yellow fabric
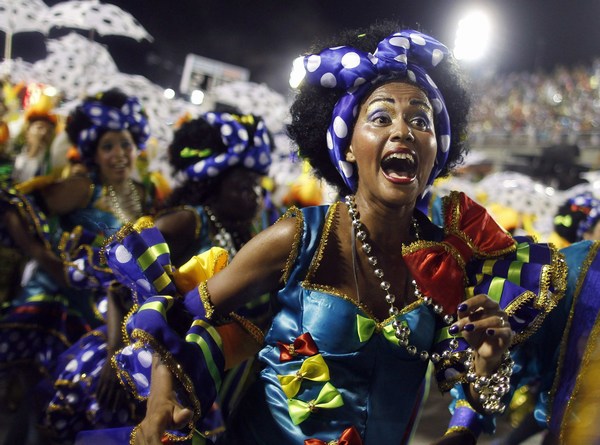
200	268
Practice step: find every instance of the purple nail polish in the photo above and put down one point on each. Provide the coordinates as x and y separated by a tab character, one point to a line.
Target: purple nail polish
469	327
453	329
490	332
462	307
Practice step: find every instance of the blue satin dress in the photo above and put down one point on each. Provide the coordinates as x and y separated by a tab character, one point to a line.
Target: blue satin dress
364	380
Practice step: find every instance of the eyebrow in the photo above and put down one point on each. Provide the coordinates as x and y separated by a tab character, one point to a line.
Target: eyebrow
416	102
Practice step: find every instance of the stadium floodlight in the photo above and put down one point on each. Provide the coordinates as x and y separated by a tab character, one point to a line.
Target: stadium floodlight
169	93
197	97
472	36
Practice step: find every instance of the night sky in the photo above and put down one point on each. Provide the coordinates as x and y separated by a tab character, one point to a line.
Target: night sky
266	35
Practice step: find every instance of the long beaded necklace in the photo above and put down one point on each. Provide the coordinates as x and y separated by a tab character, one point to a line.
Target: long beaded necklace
223	237
401	331
130	207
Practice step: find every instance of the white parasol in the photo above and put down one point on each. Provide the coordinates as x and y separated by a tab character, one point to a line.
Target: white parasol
102	18
21	16
68	66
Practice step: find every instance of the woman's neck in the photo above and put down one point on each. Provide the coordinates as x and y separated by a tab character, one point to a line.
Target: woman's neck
387	226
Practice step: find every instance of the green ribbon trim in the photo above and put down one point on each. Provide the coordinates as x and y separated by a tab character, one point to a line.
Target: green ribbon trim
523	252
158	306
205	348
151	254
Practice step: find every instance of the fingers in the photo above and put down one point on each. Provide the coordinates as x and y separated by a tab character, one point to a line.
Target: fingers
481	314
181	416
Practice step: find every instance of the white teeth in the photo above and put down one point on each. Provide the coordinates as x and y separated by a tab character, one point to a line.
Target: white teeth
404	156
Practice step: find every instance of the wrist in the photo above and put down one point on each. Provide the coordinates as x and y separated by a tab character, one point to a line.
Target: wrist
490	389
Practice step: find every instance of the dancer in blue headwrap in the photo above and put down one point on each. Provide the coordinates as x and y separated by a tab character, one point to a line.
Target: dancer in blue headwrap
368	290
56	308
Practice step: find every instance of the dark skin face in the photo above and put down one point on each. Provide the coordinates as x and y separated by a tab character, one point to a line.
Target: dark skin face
239	197
395	121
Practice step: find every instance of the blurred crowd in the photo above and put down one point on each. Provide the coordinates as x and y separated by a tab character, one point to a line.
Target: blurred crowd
539	108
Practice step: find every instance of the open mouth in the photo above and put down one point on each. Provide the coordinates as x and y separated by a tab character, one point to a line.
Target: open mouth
400	166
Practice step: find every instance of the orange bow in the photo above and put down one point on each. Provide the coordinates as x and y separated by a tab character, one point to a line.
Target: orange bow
439	267
350	436
303	345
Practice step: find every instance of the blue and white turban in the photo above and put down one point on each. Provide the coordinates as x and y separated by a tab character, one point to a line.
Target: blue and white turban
129	117
589	205
407	52
252	154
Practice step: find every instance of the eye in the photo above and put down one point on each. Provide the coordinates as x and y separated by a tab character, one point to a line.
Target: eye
106	147
420	122
380	118
126	145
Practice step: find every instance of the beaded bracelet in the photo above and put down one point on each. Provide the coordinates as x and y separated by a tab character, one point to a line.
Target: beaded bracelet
491	388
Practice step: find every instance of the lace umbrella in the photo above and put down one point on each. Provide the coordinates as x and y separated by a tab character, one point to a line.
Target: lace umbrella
68	65
101	18
21	16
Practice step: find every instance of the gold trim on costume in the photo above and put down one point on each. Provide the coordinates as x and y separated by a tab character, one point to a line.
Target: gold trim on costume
255	332
296	213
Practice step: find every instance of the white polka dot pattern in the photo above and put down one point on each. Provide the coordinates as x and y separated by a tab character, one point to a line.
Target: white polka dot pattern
409	52
252	153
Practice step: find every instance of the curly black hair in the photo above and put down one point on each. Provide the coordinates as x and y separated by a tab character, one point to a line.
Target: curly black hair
199	134
79	121
313	106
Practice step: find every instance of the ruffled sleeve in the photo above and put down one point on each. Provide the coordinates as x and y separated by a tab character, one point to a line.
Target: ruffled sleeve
171	319
477	256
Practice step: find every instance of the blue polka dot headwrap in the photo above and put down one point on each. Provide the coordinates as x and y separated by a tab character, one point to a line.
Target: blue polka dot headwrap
252	154
590	206
129	117
407	52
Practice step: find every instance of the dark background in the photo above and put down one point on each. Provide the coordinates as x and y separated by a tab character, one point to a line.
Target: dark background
266	35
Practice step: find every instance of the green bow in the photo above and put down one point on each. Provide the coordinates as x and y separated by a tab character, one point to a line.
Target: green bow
328	398
188	152
366	327
563	220
313	368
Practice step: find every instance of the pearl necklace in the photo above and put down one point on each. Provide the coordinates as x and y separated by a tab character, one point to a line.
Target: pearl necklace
132	203
223	237
402	331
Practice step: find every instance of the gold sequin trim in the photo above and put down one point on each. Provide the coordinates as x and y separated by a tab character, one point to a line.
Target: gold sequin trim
293	212
134	432
145	222
249	327
209	307
459	429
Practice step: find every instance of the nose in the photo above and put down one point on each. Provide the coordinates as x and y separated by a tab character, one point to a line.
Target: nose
402	132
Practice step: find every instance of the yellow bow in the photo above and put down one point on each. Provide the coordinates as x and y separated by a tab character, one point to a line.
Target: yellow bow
313	368
328	398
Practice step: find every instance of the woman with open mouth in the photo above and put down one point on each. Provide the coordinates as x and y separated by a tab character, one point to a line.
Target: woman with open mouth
56	308
366	291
